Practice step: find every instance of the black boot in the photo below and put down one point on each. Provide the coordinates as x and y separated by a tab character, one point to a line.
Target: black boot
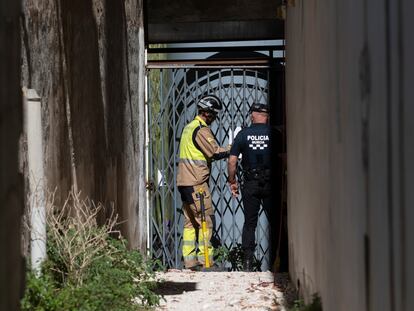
248	264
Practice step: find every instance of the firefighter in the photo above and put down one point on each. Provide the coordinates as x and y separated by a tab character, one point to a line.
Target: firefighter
198	148
254	143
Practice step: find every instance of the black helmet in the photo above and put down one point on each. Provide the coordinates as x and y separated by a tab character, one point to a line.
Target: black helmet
258	107
210	103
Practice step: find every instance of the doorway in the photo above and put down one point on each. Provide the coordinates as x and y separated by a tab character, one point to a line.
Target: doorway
173	89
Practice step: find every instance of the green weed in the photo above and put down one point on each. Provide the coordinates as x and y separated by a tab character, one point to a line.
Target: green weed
315	305
87	269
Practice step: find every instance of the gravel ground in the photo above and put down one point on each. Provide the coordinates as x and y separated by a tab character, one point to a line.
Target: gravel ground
187	290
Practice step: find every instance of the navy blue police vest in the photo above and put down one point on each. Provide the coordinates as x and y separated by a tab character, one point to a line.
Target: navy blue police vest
253	143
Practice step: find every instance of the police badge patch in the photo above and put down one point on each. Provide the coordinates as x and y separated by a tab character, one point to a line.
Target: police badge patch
258	141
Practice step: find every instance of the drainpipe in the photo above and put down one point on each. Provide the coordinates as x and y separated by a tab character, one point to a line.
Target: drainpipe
147	177
33	129
142	197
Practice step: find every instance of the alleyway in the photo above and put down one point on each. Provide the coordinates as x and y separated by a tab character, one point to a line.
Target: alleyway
112	86
187	290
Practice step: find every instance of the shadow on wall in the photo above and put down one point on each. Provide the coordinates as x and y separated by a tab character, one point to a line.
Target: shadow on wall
83	85
99	96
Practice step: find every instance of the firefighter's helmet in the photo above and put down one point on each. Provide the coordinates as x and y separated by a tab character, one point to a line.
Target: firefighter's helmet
210	103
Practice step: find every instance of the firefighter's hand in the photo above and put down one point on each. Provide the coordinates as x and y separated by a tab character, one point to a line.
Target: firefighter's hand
234	188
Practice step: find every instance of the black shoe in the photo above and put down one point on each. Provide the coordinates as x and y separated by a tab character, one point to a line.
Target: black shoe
197	267
214	268
248	265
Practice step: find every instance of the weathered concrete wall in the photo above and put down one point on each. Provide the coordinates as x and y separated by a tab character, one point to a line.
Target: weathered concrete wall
11	191
405	241
82	58
348	108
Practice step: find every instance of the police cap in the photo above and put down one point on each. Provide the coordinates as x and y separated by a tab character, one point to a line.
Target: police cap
258	107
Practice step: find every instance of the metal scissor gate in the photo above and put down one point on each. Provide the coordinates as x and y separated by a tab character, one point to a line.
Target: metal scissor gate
172	96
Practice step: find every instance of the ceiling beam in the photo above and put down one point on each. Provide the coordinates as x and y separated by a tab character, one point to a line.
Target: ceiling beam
214	20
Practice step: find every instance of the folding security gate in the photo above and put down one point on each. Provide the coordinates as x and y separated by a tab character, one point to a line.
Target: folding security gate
172	96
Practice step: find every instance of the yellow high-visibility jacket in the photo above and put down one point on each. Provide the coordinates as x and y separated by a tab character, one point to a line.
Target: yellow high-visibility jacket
198	148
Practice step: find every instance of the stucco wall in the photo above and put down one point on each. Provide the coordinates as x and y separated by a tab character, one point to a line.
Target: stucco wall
11	190
82	58
348	102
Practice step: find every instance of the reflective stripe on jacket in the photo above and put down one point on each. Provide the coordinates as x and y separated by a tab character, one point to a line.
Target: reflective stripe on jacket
189	152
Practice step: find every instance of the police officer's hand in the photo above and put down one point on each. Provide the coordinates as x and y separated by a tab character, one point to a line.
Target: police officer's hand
234	188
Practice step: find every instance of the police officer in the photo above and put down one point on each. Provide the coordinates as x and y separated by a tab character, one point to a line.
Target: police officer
198	148
254	143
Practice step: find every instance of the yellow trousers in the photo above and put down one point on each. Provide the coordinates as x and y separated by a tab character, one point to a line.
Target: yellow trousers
193	252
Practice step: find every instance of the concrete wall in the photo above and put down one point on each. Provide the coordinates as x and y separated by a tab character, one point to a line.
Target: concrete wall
11	191
82	57
349	103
